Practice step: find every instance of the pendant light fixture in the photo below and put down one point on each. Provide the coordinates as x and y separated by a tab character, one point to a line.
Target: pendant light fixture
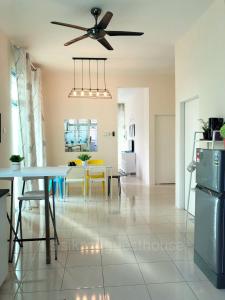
100	91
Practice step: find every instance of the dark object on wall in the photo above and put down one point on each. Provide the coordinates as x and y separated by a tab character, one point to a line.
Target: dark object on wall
215	124
131	145
113	133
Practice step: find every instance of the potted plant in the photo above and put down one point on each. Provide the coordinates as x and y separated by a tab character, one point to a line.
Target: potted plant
84	158
15	162
222	133
207	135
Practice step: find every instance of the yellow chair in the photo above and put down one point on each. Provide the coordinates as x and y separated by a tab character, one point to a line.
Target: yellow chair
96	162
78	162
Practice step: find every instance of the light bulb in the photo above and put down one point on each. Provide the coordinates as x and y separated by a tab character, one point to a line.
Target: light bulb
82	93
97	93
90	93
105	93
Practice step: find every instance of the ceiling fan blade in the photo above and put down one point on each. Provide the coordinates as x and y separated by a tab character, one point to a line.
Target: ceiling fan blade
76	40
123	33
70	25
105	43
105	20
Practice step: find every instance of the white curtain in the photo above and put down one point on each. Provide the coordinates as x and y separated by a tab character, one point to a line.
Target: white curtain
33	146
38	113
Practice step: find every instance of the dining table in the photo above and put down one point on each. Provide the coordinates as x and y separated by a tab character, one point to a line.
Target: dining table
36	172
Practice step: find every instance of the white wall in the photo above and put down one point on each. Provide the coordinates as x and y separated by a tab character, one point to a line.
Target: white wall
136	102
5	145
56	86
200	73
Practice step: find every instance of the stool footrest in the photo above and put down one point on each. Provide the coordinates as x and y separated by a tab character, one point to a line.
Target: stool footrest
33	239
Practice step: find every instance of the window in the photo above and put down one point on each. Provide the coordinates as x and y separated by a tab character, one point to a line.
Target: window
80	135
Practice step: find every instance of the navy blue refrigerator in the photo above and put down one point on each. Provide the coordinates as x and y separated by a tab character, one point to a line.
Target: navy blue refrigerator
209	238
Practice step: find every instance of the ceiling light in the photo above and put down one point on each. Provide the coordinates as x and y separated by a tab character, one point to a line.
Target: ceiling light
90	92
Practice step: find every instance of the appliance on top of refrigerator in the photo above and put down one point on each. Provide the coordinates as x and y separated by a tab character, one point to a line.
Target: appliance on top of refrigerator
209	239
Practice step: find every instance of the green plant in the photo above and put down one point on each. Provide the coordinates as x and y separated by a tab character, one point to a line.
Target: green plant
84	157
16	158
205	125
222	131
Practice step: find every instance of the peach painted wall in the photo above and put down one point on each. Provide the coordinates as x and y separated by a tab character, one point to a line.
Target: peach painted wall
56	86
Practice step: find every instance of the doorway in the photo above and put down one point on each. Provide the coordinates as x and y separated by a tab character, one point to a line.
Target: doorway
165	149
133	132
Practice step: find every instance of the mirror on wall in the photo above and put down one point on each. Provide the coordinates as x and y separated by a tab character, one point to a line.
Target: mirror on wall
80	135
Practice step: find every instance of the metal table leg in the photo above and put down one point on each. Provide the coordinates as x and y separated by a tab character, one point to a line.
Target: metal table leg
47	228
109	185
10	222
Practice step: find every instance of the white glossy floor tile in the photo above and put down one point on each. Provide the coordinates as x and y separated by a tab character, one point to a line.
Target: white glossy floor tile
6	296
190	271
82	277
42	280
171	291
75	244
127	293
12	282
204	290
183	253
138	229
160	272
38	261
114	241
52	295
144	242
83	258
124	244
151	255
118	256
117	275
84	294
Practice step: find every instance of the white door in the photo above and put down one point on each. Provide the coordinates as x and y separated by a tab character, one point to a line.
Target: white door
191	126
165	149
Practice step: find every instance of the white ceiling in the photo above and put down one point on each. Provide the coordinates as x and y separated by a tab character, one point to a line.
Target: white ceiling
27	23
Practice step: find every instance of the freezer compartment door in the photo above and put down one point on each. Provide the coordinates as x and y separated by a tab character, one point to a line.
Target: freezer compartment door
210	169
209	229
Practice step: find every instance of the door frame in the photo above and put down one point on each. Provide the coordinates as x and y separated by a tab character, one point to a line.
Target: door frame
155	117
180	151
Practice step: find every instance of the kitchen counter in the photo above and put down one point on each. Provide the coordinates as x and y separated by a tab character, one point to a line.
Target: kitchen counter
3	236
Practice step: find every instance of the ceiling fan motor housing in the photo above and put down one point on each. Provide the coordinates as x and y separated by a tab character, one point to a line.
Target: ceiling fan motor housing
96	33
96	11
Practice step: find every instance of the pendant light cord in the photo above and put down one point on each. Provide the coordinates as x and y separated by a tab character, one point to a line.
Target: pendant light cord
82	74
97	75
104	76
74	75
90	73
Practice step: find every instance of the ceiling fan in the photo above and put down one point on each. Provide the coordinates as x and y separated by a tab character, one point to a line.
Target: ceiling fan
98	32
